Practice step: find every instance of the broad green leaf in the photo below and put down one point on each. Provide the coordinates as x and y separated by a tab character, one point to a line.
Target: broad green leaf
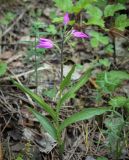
47	125
95	34
38	99
95	21
83	115
118	101
101	3
104	40
81	4
67	79
71	92
109	81
122	22
3	68
98	38
94	11
65	5
94	42
111	9
95	16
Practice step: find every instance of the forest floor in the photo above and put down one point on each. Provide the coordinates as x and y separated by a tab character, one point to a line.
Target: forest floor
21	136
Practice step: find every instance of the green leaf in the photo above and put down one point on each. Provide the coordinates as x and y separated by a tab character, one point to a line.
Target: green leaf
51	93
105	62
81	4
19	157
38	99
111	9
75	88
109	48
95	21
95	16
47	125
102	158
118	101
3	68
83	115
94	11
8	17
98	38
57	20
122	22
104	40
94	42
65	5
109	81
67	79
51	29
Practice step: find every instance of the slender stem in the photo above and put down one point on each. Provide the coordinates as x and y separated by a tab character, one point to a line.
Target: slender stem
36	68
61	56
59	140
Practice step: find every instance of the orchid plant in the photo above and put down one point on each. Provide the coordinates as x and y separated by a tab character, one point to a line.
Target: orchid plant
57	125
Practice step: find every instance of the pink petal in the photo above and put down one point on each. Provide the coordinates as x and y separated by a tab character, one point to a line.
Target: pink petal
44	43
66	18
78	34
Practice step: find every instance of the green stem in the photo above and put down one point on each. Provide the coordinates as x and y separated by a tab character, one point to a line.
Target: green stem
36	67
57	123
62	50
60	146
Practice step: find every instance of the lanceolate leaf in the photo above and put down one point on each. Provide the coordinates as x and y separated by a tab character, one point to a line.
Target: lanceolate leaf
75	88
38	99
67	79
47	125
83	115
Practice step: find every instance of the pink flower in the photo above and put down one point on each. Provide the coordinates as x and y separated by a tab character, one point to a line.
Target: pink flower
44	43
78	34
66	18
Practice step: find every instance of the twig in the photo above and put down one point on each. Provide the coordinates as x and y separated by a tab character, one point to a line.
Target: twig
14	76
